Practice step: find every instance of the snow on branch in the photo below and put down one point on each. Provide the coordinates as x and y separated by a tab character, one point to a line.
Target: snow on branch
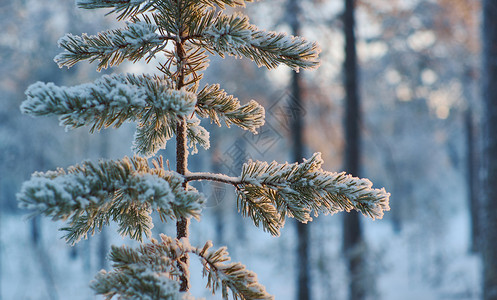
124	191
112	47
110	100
215	103
269	192
234	35
152	271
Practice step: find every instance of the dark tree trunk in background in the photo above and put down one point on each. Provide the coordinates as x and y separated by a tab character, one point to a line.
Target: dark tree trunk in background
216	194
40	163
489	228
472	181
219	207
1	254
103	242
296	104
241	231
352	231
303	240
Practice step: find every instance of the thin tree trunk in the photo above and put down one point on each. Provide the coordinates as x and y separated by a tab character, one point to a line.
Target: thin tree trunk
1	253
489	230
352	231
303	240
181	166
303	264
472	175
46	268
182	230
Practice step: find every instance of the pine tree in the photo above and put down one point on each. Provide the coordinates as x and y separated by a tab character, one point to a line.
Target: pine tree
90	195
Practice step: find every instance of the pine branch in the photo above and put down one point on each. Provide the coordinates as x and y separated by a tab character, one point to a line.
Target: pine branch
125	191
270	192
109	101
152	135
146	273
216	104
156	264
112	47
124	8
196	135
235	36
222	3
178	18
228	276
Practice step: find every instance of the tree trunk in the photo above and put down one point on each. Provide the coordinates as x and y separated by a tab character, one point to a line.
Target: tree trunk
182	230
489	230
352	231
303	241
183	223
472	176
1	254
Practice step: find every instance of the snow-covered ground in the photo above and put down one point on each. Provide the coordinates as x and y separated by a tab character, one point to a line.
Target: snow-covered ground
411	265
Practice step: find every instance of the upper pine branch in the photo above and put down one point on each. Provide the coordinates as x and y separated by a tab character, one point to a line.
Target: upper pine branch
234	35
193	21
124	8
222	3
111	48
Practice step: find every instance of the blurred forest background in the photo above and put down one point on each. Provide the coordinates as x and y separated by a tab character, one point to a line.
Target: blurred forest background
419	84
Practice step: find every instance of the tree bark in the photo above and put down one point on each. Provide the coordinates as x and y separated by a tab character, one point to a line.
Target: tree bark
182	225
489	230
303	241
352	230
182	230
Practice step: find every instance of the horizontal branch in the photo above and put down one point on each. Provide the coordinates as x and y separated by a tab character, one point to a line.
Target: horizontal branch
112	47
126	191
213	177
109	101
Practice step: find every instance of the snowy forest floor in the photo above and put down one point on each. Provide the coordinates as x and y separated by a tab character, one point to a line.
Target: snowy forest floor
407	266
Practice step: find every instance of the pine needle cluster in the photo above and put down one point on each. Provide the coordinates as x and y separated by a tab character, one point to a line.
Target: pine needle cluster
171	105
